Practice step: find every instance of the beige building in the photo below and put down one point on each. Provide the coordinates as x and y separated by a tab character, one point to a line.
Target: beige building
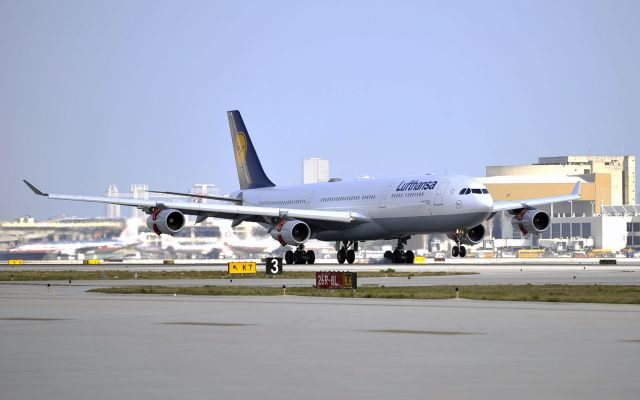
607	180
315	170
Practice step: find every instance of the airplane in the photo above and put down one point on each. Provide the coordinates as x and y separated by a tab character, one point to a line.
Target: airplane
344	212
128	239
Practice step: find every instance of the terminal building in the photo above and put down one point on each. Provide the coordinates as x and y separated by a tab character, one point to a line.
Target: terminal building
606	217
315	170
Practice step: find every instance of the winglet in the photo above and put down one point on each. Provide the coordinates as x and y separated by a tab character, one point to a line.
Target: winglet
35	189
576	189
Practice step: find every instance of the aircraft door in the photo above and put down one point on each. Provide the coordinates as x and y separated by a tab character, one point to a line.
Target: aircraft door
438	199
310	200
385	194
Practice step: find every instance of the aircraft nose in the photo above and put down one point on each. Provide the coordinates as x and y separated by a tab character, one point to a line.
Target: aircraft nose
485	202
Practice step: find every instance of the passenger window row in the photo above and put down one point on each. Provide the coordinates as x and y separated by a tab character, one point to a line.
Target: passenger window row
281	202
347	198
396	195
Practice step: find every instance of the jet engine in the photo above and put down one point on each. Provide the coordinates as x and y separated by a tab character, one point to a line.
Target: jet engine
167	221
531	221
471	236
291	232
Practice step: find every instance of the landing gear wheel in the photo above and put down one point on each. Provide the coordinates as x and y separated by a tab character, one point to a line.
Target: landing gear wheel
463	251
311	257
342	256
409	257
346	254
300	257
455	251
288	257
388	255
351	256
398	256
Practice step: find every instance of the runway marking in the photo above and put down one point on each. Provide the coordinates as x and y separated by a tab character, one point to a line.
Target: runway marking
343	302
418	332
31	319
221	324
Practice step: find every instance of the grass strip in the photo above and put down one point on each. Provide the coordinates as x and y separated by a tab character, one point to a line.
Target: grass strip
124	274
615	294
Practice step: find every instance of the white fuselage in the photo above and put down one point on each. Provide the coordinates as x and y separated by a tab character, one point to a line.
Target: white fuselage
393	207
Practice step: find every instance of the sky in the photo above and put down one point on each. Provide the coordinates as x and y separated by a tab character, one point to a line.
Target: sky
100	92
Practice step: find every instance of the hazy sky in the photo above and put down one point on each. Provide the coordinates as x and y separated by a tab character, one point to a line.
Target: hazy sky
100	92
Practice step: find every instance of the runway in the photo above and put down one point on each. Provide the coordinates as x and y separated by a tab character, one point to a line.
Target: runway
64	343
484	275
495	264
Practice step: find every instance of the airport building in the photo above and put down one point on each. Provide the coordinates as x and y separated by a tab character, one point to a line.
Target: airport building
605	217
204	189
315	170
139	191
607	180
113	210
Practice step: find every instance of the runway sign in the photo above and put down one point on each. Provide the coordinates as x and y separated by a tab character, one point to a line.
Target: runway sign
92	262
336	280
15	262
248	267
273	266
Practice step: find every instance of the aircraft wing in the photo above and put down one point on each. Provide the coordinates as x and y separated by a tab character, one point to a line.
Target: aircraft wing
519	204
227	211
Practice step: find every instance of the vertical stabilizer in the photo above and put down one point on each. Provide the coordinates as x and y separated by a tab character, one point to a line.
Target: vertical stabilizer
250	172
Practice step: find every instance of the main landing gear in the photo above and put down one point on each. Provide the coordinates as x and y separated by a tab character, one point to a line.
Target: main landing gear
399	256
346	254
300	256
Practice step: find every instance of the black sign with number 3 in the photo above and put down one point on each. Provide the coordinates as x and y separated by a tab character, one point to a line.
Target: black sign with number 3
274	266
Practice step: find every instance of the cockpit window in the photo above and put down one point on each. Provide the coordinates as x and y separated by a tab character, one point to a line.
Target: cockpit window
485	191
476	191
462	191
467	191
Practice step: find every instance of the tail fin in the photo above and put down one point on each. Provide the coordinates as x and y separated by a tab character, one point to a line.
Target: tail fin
250	172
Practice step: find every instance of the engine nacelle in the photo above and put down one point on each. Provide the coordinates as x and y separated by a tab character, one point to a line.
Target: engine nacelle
167	221
292	232
531	221
471	236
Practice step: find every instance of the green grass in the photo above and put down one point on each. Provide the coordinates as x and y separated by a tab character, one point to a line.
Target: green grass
619	294
123	274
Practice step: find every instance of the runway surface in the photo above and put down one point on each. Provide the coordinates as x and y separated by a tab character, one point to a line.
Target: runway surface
484	276
64	343
511	264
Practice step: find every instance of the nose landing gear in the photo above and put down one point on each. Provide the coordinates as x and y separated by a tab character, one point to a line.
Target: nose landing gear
458	249
300	256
